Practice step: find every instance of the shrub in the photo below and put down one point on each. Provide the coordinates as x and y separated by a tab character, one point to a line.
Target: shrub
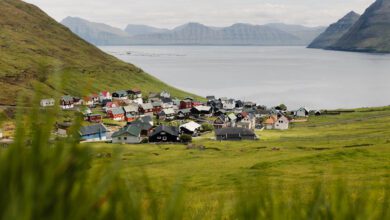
185	138
207	127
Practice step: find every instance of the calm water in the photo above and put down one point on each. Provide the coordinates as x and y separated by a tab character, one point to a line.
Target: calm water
295	76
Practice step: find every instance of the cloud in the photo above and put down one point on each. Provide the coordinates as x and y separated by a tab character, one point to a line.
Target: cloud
171	13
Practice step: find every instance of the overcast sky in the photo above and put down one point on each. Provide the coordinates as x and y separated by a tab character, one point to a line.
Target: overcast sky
171	13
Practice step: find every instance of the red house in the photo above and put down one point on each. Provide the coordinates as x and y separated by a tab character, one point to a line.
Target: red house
194	104
130	118
185	104
96	118
146	109
116	114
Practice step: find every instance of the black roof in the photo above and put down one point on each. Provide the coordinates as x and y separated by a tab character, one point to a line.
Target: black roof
93	129
234	131
168	129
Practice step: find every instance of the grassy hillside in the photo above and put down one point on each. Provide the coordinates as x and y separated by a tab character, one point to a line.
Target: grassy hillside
37	49
354	147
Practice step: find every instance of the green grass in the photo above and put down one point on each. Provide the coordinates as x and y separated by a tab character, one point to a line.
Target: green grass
333	167
35	49
354	147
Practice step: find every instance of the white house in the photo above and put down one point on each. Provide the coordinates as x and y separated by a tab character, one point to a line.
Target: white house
130	134
47	102
165	94
191	128
282	123
249	122
105	95
302	112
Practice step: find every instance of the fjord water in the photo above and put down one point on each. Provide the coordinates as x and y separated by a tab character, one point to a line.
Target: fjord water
295	76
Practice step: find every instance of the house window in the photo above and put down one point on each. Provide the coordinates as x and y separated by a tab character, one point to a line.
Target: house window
119	138
165	138
159	138
125	138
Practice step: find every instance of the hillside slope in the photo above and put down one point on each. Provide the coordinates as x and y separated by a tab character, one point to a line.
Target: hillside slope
371	33
335	31
35	49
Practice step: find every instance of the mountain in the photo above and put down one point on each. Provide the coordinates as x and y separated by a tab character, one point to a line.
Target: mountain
133	30
96	33
306	34
371	33
193	34
237	34
36	50
335	31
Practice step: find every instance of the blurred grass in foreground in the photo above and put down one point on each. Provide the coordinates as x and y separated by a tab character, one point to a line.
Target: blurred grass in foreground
47	178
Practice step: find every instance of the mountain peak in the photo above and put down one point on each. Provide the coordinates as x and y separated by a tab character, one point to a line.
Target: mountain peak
335	31
371	32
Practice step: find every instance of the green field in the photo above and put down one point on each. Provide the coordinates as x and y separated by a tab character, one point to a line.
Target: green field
354	147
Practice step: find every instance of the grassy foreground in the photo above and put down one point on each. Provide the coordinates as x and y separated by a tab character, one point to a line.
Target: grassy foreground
353	147
333	167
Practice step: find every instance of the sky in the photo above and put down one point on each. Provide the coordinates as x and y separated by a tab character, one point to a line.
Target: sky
172	13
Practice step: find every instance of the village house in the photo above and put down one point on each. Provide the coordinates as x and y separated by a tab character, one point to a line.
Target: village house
239	104
130	117
105	96
229	104
62	128
119	95
134	93
215	104
249	105
85	112
145	124
201	111
165	134
95	118
246	121
165	94
92	133
110	105
77	101
234	134
1	134
116	114
210	98
166	114
183	114
167	101
129	134
277	122
67	102
88	101
221	122
176	102
47	102
146	109
232	119
190	128
157	107
186	104
131	109
302	112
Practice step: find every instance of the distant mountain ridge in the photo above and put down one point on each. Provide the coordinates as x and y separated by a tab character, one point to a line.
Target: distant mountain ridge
193	34
335	31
